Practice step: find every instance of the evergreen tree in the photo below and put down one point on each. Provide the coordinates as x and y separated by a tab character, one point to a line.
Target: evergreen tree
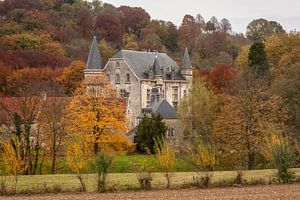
258	58
149	129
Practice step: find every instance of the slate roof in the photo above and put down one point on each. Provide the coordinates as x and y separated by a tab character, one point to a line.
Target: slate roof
95	60
186	61
141	61
163	108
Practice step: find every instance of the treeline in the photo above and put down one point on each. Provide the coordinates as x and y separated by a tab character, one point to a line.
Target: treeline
53	33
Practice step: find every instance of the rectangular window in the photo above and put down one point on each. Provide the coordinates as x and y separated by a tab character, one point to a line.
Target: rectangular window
184	93
170	133
175	94
122	93
127	78
117	79
148	95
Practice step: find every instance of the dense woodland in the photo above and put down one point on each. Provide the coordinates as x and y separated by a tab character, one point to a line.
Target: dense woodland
247	87
48	35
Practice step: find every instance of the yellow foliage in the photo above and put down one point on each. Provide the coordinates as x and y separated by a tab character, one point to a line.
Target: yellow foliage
99	119
203	155
53	48
282	52
12	158
72	76
77	156
242	60
165	155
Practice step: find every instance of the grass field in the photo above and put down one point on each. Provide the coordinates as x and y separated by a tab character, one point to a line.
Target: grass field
129	181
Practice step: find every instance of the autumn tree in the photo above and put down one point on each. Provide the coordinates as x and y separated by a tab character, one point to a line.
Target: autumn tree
53	122
200	98
84	21
134	19
214	44
99	117
188	32
245	117
21	113
108	26
165	155
261	29
107	51
222	77
278	150
130	42
72	76
78	157
285	69
12	159
172	37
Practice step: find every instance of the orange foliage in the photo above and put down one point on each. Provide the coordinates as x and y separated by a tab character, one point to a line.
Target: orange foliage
100	119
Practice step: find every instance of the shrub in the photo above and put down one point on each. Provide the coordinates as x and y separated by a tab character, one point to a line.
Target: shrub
102	164
202	180
78	161
202	155
165	156
144	174
278	151
3	186
239	177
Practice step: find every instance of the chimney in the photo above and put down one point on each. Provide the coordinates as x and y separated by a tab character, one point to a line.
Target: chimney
172	73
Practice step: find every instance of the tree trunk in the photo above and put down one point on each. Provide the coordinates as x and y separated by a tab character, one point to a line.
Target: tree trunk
251	159
53	166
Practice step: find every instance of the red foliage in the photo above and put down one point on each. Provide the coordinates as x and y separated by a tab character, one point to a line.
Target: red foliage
9	5
35	58
214	44
222	77
134	19
84	19
109	27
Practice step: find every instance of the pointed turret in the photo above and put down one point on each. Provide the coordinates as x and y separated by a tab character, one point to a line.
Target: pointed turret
186	61
93	73
95	60
187	68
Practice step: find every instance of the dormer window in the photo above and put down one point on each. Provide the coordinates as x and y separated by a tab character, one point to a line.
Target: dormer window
117	65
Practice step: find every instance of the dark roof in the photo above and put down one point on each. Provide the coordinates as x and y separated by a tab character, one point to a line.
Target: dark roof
141	61
186	62
163	108
95	60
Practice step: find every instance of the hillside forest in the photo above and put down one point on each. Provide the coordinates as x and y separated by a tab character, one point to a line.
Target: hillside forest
247	86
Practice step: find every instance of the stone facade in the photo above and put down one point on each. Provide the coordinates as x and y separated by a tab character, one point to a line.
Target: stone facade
141	78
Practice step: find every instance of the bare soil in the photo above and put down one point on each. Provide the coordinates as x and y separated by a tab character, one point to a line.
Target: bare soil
265	192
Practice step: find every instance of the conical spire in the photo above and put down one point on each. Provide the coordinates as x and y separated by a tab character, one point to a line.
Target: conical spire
157	69
186	62
95	60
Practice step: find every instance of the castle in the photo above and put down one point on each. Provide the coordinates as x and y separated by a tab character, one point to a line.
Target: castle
149	81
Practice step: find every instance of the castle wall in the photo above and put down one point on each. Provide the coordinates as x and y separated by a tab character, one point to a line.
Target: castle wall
118	67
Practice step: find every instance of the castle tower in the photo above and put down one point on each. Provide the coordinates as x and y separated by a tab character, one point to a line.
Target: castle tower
93	72
158	76
186	68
